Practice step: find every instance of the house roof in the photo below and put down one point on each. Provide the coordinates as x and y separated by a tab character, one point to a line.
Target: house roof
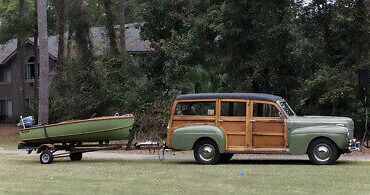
98	38
250	96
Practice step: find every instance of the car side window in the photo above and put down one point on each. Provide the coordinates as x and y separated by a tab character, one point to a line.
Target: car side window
265	110
204	108
233	108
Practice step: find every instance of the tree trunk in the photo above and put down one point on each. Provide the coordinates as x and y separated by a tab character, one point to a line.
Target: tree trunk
36	50
61	24
44	62
122	21
110	27
69	43
81	26
18	70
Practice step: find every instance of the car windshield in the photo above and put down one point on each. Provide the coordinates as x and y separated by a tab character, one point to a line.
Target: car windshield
288	110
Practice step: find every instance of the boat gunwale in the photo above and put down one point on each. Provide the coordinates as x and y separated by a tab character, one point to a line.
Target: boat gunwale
76	134
78	121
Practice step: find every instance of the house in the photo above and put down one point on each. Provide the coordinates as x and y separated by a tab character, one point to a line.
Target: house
9	102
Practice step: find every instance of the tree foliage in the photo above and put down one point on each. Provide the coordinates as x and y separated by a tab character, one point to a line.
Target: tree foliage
305	52
308	54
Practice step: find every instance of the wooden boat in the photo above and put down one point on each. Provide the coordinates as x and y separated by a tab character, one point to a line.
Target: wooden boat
100	129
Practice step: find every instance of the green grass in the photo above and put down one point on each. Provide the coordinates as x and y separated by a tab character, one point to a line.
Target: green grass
24	174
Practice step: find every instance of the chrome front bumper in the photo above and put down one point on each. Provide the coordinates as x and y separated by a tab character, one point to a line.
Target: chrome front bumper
353	145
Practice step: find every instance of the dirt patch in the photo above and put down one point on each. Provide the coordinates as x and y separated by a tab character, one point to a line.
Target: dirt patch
364	152
8	130
8	135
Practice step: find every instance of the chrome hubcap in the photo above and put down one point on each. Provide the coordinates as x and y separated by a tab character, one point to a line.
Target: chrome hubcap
45	158
322	152
207	152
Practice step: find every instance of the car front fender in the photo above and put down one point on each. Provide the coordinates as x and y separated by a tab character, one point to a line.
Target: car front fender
300	138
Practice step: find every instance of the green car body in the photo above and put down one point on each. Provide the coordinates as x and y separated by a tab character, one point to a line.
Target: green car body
301	132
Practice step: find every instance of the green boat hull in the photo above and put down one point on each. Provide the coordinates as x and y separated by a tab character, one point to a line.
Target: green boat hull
90	130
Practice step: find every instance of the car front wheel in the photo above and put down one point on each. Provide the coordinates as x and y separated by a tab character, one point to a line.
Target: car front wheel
206	152
322	152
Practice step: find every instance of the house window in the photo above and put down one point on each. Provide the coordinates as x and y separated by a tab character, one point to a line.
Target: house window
29	103
5	74
6	109
30	68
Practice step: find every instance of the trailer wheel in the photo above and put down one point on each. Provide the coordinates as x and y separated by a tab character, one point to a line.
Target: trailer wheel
46	157
75	156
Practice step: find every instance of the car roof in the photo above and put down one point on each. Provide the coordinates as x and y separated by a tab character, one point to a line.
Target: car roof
250	96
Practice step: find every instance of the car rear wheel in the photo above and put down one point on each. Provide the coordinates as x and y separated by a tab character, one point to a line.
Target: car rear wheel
322	152
206	152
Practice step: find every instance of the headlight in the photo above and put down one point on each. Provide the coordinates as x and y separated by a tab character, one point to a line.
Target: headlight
347	133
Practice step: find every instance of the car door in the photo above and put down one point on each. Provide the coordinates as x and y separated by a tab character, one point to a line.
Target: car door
232	118
268	127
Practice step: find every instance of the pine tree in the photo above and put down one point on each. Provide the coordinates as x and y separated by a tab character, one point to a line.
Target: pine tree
109	25
44	62
18	76
122	21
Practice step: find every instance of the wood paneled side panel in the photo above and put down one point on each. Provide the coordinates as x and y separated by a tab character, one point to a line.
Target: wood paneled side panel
236	140
268	127
178	123
268	141
233	127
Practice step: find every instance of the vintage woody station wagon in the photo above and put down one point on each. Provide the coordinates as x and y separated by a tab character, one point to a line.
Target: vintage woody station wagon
217	125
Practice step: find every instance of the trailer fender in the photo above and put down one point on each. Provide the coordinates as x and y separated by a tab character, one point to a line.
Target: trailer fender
44	147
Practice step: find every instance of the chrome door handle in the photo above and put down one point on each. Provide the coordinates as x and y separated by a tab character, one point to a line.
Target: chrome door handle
252	121
219	120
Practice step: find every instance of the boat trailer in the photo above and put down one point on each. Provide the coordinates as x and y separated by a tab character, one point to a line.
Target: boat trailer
48	152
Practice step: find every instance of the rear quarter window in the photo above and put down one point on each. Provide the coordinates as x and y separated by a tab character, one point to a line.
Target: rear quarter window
206	108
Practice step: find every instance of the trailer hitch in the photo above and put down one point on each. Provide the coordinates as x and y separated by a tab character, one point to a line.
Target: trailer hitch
152	146
146	144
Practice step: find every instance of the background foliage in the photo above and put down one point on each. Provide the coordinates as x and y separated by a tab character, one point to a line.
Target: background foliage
305	52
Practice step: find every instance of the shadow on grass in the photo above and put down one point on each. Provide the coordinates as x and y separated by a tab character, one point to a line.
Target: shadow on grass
266	162
67	161
86	161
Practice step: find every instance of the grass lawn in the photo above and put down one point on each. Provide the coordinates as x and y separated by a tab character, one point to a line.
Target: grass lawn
11	144
24	174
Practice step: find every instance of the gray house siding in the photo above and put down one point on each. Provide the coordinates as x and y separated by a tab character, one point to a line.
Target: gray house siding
7	89
8	93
